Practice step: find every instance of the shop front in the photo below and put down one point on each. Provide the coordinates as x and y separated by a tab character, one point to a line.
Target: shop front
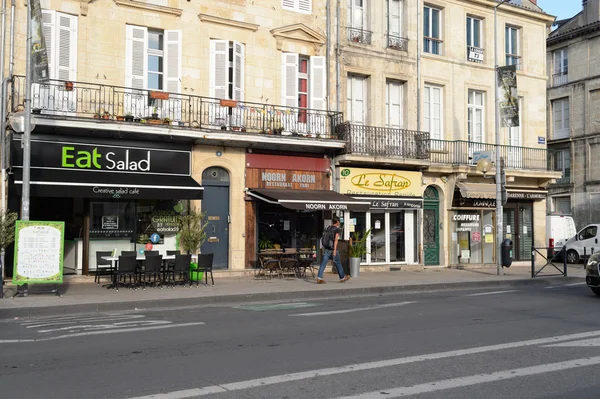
473	223
113	195
289	202
395	201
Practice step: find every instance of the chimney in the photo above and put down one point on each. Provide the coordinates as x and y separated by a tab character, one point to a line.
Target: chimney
535	2
591	11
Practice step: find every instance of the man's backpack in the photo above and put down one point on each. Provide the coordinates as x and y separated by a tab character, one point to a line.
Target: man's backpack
327	238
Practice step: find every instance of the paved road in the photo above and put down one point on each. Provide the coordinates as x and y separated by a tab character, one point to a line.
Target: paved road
502	343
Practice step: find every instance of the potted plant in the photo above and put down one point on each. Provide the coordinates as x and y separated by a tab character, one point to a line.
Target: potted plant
167	121
7	236
223	127
356	250
192	230
69	86
181	123
106	115
128	117
36	111
120	118
265	243
143	121
97	115
155	113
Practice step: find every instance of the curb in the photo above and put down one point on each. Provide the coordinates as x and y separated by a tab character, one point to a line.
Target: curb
155	304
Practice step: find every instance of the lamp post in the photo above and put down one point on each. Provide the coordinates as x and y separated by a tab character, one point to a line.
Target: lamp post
499	218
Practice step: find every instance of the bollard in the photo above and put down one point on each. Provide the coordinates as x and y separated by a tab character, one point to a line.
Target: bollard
532	262
565	264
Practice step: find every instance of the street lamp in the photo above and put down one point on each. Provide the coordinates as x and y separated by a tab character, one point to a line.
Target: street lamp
499	219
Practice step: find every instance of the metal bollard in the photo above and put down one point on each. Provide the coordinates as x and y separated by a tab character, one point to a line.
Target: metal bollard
532	262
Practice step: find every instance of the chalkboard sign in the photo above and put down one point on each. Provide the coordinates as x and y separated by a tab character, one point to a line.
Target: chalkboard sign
110	222
39	251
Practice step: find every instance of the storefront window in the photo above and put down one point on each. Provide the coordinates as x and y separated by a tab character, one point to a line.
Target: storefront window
378	237
358	224
472	239
285	228
397	237
112	219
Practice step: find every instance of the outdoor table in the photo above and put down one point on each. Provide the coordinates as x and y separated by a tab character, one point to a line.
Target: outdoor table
139	258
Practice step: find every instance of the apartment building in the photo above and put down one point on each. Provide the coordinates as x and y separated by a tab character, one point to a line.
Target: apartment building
573	103
416	85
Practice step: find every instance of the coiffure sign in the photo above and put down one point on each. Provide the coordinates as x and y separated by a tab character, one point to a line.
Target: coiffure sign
359	181
64	155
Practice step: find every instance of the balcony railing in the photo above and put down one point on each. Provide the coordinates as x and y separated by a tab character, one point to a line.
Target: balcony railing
382	141
359	35
397	43
410	144
560	78
122	104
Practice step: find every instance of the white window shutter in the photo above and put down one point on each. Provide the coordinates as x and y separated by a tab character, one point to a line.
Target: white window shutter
238	71
289	4
289	79
436	113
48	30
394	105
394	17
136	57
173	61
305	6
318	83
219	69
66	47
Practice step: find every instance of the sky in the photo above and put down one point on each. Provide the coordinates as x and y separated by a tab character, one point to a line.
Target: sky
562	9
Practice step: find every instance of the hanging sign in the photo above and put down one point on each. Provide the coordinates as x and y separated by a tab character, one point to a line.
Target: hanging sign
509	100
39	252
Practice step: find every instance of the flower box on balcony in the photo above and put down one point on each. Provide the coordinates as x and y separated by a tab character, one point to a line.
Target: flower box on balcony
228	103
159	95
69	86
155	121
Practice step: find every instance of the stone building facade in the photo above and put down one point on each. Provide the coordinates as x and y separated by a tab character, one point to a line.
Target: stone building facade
573	103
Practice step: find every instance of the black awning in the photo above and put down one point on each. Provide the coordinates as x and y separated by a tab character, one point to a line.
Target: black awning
97	184
311	200
387	202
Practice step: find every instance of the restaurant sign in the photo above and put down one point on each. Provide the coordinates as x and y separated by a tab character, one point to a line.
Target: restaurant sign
286	179
380	182
461	202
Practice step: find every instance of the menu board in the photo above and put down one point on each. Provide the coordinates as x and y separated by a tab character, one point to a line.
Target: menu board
39	251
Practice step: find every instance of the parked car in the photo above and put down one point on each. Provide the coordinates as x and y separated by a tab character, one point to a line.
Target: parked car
559	229
592	273
583	244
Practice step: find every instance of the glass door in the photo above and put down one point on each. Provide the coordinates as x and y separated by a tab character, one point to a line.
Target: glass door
378	237
397	237
525	238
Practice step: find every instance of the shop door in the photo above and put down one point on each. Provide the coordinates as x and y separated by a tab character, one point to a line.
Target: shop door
431	227
215	203
518	227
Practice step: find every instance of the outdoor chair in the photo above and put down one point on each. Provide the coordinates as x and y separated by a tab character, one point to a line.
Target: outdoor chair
152	269
181	269
288	267
304	264
103	267
205	262
269	263
127	267
151	253
169	264
128	253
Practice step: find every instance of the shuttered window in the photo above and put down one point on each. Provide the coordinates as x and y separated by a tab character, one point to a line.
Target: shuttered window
304	82
393	104
60	35
303	6
227	70
433	112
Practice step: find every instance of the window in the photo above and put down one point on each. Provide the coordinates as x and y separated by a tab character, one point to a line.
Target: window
560	119
474	40
589	232
561	67
227	70
475	117
304	84
356	96
561	205
512	46
156	52
432	112
394	104
562	163
432	29
357	21
60	35
395	39
515	158
303	6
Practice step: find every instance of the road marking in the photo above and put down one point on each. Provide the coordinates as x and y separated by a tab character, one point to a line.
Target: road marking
87	327
86	320
84	334
304	375
275	306
476	379
574	284
565	285
492	293
582	343
387	305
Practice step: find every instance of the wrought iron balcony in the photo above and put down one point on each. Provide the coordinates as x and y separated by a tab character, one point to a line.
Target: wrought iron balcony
127	105
559	79
397	43
359	35
382	141
371	141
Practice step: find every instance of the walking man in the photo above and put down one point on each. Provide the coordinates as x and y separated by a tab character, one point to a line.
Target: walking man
330	251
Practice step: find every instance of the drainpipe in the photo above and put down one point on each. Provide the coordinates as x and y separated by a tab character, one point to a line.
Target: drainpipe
418	66
337	62
3	106
328	52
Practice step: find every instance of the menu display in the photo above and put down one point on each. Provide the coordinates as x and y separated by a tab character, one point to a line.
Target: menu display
39	252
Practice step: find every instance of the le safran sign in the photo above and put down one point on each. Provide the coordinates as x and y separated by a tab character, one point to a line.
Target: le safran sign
380	182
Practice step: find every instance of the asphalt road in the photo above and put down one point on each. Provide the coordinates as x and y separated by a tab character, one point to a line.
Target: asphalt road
534	342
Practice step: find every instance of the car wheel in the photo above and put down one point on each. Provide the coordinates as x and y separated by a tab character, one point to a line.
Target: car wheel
572	256
596	290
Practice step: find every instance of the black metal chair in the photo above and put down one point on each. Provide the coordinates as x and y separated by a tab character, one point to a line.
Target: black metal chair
151	253
181	268
169	264
205	262
127	267
128	253
103	267
153	269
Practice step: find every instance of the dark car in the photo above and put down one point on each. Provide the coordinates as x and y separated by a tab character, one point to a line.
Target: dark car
592	273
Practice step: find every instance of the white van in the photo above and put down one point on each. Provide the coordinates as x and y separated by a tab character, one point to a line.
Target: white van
586	242
560	229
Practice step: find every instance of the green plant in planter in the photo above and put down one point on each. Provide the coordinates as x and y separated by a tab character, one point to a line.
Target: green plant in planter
265	243
192	230
358	244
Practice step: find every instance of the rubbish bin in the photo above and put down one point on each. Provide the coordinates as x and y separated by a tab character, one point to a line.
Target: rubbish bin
354	267
507	246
